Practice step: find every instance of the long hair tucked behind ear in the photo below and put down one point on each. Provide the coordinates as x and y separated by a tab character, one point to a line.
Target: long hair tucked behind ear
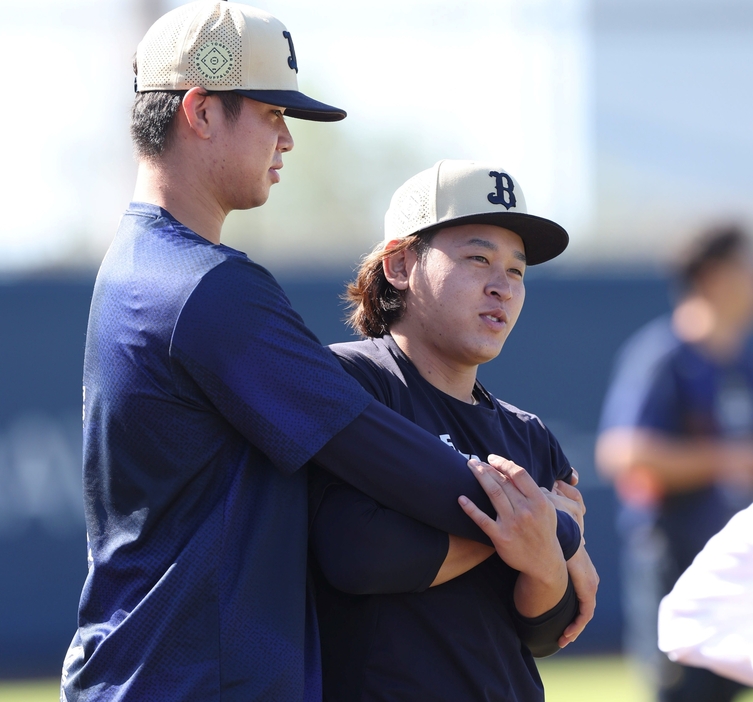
374	305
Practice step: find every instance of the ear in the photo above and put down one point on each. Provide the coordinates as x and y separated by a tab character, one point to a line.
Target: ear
200	112
398	266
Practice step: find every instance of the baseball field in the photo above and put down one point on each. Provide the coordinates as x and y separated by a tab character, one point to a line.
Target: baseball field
571	679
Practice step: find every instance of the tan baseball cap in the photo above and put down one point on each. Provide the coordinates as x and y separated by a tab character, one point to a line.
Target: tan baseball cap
230	46
451	193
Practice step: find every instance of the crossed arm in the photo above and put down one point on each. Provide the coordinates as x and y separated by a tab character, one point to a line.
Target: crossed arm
522	539
663	463
364	548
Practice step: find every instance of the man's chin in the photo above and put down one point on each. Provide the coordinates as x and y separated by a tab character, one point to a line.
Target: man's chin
488	354
251	203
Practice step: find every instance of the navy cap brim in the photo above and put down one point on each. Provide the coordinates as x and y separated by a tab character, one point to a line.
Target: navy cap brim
542	238
296	104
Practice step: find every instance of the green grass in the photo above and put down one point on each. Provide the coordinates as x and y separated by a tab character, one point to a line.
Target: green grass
591	679
30	691
566	679
596	679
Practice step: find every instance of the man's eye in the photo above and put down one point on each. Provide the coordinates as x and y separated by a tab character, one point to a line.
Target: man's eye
482	259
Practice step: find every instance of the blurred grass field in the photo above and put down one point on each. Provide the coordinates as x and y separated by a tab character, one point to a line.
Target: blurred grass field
591	679
31	691
596	679
566	679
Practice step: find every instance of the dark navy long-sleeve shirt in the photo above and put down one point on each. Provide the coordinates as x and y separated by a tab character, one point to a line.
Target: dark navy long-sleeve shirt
385	634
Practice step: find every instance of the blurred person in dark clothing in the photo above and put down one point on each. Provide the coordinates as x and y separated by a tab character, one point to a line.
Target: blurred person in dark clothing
676	438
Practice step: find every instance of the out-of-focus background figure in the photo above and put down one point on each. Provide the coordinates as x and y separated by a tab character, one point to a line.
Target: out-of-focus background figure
677	440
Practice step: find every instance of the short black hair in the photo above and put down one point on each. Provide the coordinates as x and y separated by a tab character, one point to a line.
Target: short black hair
716	244
153	117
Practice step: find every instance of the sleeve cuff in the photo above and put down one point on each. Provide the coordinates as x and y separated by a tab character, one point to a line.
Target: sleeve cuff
541	633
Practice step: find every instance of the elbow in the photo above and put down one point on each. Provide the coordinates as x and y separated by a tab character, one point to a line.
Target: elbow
347	565
352	578
544	649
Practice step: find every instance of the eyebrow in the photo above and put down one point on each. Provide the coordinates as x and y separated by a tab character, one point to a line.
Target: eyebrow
486	244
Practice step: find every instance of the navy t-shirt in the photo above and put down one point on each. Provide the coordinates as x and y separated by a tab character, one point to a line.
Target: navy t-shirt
385	634
195	425
664	384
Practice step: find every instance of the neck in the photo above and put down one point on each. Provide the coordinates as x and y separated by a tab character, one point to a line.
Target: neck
455	380
183	196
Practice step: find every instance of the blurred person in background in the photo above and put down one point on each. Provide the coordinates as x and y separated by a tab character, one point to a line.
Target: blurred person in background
676	438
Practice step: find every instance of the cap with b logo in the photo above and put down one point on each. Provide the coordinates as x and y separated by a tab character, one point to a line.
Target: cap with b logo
451	193
226	46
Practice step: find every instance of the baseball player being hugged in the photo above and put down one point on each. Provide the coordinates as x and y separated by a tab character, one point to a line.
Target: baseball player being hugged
405	613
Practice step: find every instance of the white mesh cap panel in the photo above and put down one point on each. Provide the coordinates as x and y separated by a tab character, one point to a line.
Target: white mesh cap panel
156	53
219	46
412	206
213	54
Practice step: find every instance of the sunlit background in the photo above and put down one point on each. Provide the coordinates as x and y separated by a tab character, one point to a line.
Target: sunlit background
627	121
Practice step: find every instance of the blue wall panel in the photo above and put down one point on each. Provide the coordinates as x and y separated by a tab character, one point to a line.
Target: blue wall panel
556	364
42	536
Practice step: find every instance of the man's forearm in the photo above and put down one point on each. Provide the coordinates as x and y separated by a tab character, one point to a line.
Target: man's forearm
536	594
364	548
404	467
462	556
675	464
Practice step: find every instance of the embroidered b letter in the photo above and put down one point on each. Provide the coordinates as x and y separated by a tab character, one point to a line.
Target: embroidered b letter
291	59
504	194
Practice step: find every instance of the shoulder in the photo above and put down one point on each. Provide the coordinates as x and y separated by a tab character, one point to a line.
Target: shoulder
747	350
377	355
652	346
158	253
239	280
236	286
233	298
550	459
374	363
528	421
655	363
647	379
237	306
515	413
650	360
516	416
374	352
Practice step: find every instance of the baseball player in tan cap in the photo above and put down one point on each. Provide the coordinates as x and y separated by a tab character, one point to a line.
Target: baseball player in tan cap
399	620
